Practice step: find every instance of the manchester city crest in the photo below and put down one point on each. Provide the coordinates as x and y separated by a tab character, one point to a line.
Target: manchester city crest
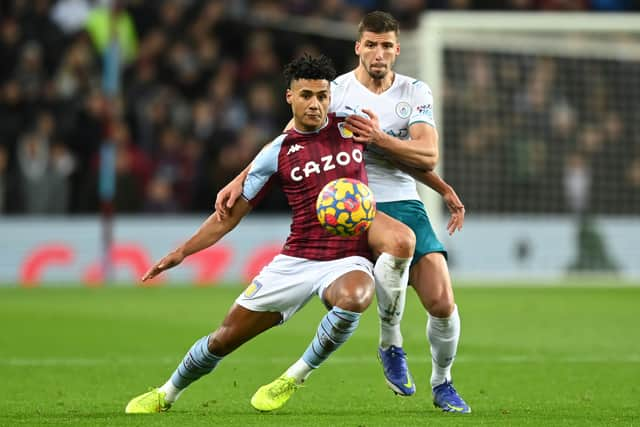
403	109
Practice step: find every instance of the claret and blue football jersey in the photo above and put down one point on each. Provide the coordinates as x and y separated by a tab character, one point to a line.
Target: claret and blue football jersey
302	163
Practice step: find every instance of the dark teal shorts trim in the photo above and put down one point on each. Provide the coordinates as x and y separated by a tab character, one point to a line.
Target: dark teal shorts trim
413	214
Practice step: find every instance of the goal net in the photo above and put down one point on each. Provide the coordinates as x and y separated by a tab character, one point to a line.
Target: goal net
539	118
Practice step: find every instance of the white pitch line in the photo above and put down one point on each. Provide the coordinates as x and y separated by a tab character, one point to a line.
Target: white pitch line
82	362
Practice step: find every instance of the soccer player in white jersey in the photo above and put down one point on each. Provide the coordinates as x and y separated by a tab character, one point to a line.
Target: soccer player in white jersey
402	130
401	137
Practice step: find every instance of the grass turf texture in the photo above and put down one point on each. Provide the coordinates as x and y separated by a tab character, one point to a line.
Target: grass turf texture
545	356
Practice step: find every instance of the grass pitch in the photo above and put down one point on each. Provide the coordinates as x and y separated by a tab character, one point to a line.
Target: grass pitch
528	356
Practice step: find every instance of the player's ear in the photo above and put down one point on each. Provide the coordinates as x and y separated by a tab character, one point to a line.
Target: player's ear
357	47
288	96
397	49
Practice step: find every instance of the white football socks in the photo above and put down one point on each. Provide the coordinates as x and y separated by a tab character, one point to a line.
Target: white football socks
391	274
172	393
443	335
300	371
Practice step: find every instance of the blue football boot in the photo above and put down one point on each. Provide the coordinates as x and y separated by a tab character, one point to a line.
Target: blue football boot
447	398
396	371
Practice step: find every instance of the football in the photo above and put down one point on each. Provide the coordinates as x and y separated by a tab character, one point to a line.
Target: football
345	207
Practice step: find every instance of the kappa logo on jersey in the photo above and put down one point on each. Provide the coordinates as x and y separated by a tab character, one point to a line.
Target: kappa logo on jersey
326	163
294	148
344	132
252	289
403	109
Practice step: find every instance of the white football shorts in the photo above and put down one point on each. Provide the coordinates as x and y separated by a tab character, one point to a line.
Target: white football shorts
287	283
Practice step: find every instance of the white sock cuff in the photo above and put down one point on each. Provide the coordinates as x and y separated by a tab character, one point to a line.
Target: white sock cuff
396	262
445	322
300	370
453	315
172	393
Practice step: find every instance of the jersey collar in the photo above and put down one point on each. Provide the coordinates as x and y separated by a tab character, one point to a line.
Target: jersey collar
393	84
326	123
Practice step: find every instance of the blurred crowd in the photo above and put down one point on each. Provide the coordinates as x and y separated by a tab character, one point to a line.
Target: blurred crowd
201	92
542	134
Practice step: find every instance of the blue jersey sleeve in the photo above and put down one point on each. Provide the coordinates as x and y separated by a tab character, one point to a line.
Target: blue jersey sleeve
263	167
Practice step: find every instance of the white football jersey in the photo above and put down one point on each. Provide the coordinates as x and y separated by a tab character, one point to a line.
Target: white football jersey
406	102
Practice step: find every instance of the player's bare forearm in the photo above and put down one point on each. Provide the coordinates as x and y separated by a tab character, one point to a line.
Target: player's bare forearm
452	201
431	179
428	177
211	230
421	154
214	228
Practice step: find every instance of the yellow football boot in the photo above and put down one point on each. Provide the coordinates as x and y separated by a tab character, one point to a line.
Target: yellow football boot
274	395
148	403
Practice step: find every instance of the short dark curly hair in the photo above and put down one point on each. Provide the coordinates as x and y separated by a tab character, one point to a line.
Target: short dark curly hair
309	67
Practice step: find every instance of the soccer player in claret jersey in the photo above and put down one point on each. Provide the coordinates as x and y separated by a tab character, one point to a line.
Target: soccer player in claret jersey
401	140
312	261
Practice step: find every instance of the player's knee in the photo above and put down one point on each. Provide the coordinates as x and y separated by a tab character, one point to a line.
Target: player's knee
357	299
402	241
442	307
219	343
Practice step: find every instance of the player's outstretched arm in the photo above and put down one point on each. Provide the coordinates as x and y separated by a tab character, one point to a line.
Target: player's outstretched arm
421	153
211	230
